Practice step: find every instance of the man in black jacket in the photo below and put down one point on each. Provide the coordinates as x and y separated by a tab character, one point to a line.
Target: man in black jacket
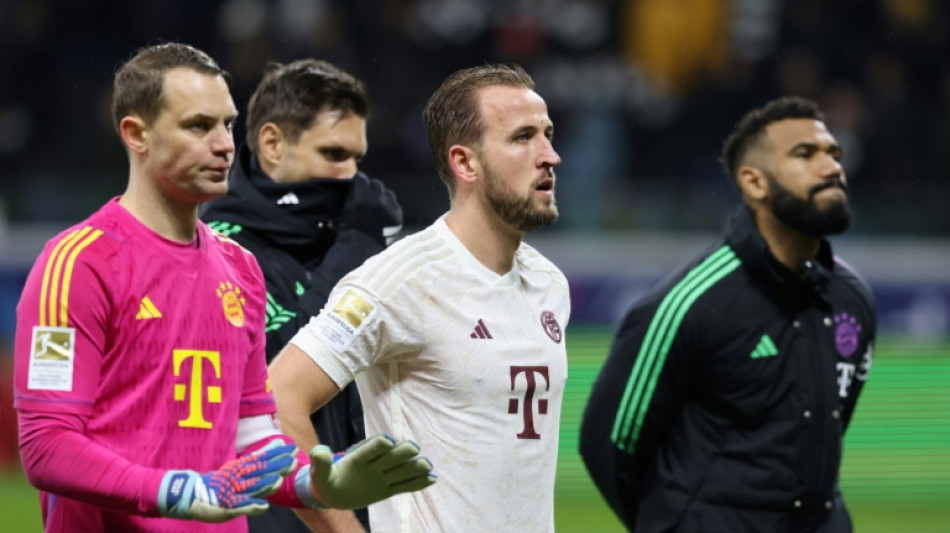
728	389
297	202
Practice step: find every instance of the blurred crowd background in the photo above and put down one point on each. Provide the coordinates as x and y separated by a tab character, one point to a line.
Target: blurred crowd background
642	93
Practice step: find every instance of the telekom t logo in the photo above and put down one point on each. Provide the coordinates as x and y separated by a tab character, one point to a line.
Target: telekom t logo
194	391
527	411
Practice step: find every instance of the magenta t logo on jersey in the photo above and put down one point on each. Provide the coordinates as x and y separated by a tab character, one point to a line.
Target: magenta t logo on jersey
551	327
527	408
846	334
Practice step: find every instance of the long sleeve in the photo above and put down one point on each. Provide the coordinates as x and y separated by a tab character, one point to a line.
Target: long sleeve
58	458
863	371
635	399
62	323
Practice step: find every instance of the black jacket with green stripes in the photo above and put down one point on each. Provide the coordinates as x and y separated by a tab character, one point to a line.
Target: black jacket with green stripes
727	391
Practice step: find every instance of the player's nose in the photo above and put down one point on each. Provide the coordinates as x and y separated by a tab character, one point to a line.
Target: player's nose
549	156
222	142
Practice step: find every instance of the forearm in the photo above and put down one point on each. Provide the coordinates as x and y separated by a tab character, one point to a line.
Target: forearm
330	520
295	423
323	520
300	388
59	458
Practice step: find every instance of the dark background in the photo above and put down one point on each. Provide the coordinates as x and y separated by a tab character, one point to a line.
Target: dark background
642	93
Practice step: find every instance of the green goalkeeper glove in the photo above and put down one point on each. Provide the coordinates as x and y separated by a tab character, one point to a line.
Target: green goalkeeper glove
369	471
235	489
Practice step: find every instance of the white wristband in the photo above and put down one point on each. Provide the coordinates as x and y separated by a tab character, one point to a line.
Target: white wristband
302	488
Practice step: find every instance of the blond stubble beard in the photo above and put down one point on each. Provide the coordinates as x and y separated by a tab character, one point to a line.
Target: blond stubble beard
520	212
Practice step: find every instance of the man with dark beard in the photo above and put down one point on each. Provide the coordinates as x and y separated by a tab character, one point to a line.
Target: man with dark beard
728	388
455	335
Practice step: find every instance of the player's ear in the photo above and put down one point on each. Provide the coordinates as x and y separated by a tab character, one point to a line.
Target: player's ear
752	183
134	133
464	162
271	144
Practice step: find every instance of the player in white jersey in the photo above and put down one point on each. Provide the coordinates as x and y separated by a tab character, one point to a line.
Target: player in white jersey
455	335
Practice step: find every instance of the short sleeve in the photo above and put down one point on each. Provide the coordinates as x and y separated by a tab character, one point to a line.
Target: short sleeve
357	329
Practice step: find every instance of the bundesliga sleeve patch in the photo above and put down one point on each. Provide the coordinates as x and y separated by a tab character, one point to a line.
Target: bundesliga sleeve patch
51	359
339	326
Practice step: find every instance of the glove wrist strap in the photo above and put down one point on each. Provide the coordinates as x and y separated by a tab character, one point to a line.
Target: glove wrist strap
302	488
176	485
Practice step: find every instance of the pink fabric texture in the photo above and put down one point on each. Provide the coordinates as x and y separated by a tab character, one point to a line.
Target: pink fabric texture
134	355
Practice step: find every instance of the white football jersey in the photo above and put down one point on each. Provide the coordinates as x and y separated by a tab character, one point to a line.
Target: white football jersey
469	364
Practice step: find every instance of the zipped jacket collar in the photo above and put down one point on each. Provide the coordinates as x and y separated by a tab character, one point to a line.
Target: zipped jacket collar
798	289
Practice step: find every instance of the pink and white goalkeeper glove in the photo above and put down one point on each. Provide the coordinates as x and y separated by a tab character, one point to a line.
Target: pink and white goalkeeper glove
235	489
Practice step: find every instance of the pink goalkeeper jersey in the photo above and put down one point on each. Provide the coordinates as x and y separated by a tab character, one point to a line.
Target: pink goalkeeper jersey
157	346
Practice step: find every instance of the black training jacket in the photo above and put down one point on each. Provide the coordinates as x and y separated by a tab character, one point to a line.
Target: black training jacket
291	231
727	391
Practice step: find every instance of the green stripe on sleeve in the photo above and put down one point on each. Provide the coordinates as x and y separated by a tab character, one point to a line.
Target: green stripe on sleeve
647	347
659	338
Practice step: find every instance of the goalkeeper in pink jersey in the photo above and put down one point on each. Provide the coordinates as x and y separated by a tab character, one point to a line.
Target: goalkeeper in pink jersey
141	383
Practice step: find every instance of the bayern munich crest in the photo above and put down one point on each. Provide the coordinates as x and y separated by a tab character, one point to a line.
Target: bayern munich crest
847	330
233	303
551	327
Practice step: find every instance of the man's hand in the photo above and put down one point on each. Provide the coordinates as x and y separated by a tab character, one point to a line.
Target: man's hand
235	489
369	471
372	209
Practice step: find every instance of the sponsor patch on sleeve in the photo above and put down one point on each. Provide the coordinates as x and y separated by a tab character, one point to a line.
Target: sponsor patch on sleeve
339	326
51	359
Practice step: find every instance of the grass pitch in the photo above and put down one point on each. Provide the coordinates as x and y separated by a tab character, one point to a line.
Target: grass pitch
895	475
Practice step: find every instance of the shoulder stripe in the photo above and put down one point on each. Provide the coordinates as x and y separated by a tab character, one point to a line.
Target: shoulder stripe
400	252
44	288
57	277
422	256
658	339
68	275
390	271
228	240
